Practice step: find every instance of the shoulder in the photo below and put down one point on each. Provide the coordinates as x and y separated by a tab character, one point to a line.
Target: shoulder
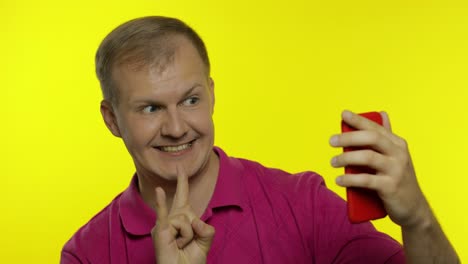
293	195
277	180
274	178
94	233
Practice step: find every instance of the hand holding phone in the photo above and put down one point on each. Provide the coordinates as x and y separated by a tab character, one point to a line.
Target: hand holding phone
363	204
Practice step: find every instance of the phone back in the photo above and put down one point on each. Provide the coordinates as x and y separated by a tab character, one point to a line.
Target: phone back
363	204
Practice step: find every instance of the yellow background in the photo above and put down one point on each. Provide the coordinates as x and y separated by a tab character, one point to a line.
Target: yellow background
284	70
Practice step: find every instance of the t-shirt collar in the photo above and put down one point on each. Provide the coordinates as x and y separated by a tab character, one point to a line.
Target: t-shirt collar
138	218
229	189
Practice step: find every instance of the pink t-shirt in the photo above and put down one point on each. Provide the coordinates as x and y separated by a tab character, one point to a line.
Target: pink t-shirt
261	215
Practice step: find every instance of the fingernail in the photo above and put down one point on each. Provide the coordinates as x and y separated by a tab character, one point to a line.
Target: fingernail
347	114
339	180
333	161
334	141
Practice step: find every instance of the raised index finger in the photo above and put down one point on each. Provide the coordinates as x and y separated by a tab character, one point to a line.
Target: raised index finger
182	190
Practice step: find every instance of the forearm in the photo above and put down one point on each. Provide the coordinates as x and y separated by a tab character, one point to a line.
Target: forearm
427	243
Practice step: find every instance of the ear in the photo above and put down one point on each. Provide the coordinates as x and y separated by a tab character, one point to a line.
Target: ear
211	90
107	112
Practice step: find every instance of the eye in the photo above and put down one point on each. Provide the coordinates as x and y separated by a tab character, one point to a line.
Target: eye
191	101
150	109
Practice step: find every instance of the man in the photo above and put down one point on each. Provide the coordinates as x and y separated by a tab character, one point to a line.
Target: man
190	203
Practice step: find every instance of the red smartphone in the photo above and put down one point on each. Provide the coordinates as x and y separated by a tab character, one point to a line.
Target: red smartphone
363	204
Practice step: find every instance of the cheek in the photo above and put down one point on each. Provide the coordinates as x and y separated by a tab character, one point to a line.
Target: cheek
138	131
202	121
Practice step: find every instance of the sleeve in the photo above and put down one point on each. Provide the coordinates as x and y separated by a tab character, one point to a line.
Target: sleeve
334	239
68	258
370	249
90	243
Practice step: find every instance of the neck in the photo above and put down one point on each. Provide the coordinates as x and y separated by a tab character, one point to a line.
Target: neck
201	186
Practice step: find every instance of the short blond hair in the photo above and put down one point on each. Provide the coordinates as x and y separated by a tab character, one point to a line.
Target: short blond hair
142	42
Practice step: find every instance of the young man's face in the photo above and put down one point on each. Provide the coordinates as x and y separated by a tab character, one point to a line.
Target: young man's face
165	117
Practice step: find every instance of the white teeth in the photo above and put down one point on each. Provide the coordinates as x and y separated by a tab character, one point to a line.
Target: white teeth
176	148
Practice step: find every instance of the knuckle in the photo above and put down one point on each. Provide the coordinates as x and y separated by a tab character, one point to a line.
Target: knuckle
185	207
402	142
406	160
373	136
177	218
183	218
391	188
157	228
398	172
376	183
369	156
368	182
402	161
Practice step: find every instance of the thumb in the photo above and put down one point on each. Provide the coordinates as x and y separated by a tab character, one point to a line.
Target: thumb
204	233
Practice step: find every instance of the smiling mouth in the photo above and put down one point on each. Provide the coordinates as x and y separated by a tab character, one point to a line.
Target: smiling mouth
176	148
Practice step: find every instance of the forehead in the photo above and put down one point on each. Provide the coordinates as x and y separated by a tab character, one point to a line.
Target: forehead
185	68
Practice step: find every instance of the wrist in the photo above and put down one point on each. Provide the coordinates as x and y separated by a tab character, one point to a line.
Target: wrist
423	221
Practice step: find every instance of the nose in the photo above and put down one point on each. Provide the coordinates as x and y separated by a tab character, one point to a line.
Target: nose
174	125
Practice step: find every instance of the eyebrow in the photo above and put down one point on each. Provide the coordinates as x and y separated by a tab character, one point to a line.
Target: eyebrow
186	93
191	89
